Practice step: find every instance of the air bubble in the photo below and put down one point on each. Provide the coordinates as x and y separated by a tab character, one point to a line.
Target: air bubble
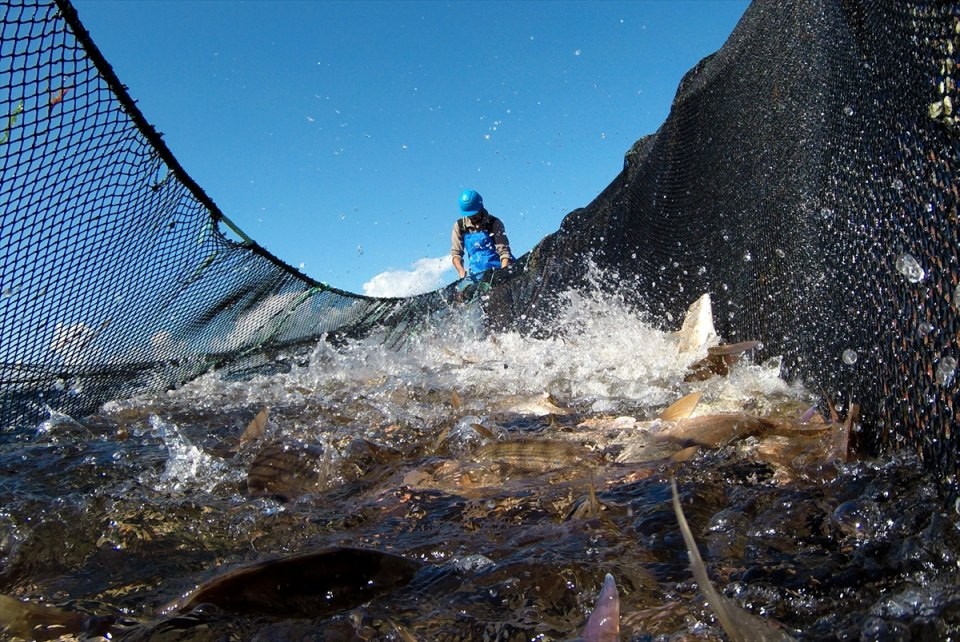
946	370
910	268
849	357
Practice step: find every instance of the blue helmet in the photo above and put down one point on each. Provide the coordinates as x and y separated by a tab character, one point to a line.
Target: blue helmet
470	202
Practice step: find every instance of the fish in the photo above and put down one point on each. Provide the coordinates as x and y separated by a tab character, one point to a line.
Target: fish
719	360
536	405
29	621
287	470
306	585
535	455
715	431
604	622
739	625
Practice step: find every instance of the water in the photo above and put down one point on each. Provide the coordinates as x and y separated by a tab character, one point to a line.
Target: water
122	514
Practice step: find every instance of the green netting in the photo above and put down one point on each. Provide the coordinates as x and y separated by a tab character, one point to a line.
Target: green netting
805	178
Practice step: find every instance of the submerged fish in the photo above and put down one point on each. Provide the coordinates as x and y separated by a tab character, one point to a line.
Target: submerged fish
535	455
288	470
536	405
308	585
29	621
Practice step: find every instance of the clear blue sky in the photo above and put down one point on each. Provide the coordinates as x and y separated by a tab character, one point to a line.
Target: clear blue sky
339	135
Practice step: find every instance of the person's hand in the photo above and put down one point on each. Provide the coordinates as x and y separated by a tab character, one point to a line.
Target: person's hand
462	273
504	263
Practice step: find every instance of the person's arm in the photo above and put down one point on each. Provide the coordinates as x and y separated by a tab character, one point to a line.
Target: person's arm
456	249
501	243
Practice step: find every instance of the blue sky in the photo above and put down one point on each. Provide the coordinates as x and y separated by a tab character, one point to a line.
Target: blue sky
339	135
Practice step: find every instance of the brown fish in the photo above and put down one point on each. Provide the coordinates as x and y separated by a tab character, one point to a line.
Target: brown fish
288	470
30	621
719	360
714	431
310	585
535	455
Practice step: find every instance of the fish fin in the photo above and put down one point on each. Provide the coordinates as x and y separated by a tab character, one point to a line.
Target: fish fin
603	624
697	329
483	431
256	428
685	454
682	408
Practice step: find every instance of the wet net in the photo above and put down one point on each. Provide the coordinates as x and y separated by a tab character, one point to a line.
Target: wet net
118	275
804	178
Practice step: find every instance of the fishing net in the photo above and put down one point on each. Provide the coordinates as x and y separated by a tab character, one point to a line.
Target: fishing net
118	275
804	178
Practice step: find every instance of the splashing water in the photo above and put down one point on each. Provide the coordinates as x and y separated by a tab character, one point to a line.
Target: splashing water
503	464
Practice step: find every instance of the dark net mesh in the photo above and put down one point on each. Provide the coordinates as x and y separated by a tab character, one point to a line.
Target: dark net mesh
116	277
804	178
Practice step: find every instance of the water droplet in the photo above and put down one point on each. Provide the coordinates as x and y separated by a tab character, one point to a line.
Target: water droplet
860	519
747	256
780	253
910	268
848	110
946	370
898	184
849	357
956	297
925	328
